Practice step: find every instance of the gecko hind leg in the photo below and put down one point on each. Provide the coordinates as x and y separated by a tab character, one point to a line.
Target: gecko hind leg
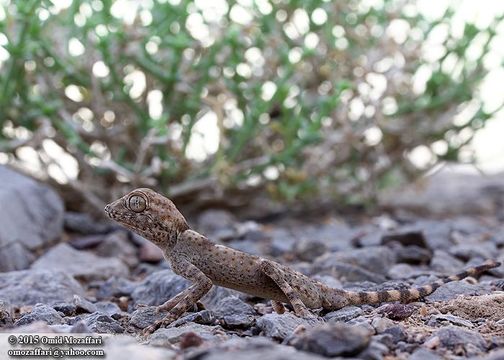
277	307
274	274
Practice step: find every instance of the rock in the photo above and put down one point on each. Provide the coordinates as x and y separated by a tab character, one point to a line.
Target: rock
159	287
493	355
424	354
347	272
117	245
413	254
86	242
482	250
115	287
34	327
217	224
6	314
150	253
442	319
167	336
66	309
376	259
234	312
117	346
40	312
82	305
406	238
453	338
343	315
145	316
446	263
397	311
108	308
382	324
282	241
80	264
309	249
83	223
280	326
29	287
102	323
204	317
402	271
333	340
397	333
453	289
31	217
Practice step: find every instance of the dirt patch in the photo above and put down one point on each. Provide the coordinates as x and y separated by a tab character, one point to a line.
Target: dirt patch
488	307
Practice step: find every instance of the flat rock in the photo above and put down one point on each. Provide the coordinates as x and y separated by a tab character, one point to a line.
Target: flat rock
145	316
234	312
343	315
80	264
451	290
168	336
453	337
274	352
31	218
425	354
332	340
102	323
159	287
29	287
40	312
280	326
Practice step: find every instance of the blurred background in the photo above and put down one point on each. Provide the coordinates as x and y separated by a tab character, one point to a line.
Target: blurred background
215	102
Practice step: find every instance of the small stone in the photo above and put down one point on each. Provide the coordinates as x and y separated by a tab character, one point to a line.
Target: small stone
406	238
425	354
83	223
102	323
86	242
446	263
80	327
6	318
442	319
117	245
397	311
66	309
348	272
115	287
172	335
126	347
382	324
333	340
453	337
482	250
108	308
397	332
234	312
190	339
145	316
309	249
82	305
345	314
204	317
80	264
280	326
40	312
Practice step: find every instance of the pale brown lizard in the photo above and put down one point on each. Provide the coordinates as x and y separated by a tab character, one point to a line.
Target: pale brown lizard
204	263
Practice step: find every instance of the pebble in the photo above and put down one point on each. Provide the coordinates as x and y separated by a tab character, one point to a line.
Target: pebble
102	323
40	312
280	326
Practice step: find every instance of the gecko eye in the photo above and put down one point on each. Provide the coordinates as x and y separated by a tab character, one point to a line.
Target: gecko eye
137	203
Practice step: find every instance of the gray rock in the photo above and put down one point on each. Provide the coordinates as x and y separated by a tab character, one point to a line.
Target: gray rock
32	217
145	316
102	323
66	309
217	224
204	317
397	311
376	259
276	352
406	237
117	245
425	354
442	319
413	254
480	250
40	312
280	326
453	337
493	355
453	289
347	272
167	336
115	287
121	346
235	312
159	287
333	340
345	314
108	308
83	305
29	287
445	263
83	223
6	314
80	264
309	249
214	297
382	324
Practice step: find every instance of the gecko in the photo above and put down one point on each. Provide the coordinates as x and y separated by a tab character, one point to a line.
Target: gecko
204	263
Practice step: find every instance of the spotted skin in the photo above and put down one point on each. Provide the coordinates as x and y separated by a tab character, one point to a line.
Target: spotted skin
205	264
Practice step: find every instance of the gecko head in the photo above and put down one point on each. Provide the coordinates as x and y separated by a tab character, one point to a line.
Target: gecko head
148	214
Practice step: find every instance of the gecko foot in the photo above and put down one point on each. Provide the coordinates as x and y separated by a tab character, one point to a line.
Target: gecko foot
158	324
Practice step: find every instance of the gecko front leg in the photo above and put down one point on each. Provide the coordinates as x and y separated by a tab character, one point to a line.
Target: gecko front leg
181	302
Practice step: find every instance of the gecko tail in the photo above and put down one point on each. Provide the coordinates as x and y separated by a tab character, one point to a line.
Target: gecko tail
414	293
